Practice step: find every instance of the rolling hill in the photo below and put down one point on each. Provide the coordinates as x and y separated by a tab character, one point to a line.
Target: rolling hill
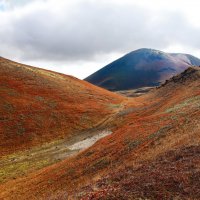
141	68
152	153
39	106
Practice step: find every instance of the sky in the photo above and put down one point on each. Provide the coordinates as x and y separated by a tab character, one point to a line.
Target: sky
78	37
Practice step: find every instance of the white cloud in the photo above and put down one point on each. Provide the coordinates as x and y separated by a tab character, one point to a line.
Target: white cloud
78	37
80	69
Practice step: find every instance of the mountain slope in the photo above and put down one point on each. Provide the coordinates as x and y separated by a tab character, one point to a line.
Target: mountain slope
140	68
154	154
39	106
166	163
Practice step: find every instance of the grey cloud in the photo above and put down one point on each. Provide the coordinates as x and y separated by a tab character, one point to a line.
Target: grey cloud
88	29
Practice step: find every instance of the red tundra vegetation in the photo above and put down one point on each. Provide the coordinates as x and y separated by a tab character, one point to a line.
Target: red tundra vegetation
39	106
153	152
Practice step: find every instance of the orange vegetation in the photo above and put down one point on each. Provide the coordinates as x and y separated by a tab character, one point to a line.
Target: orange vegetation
38	106
154	138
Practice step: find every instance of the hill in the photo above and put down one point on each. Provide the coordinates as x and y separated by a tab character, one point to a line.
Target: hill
141	68
153	154
39	106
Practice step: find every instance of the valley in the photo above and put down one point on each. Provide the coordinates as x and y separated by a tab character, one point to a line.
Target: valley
99	100
105	146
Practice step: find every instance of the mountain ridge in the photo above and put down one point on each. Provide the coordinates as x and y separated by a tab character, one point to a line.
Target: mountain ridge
141	68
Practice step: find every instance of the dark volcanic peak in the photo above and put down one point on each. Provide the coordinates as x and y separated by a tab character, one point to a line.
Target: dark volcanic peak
141	68
148	51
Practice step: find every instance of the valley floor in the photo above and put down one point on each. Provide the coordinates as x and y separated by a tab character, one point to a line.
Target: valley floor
150	149
24	162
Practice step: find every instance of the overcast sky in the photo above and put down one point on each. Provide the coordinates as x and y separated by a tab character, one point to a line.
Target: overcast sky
78	37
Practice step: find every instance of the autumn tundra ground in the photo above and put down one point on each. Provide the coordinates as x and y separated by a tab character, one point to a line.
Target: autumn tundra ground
153	151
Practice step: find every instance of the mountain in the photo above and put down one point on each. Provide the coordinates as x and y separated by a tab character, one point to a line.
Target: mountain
141	68
152	152
39	106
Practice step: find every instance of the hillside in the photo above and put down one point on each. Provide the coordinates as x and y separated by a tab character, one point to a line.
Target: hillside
153	154
39	106
141	68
